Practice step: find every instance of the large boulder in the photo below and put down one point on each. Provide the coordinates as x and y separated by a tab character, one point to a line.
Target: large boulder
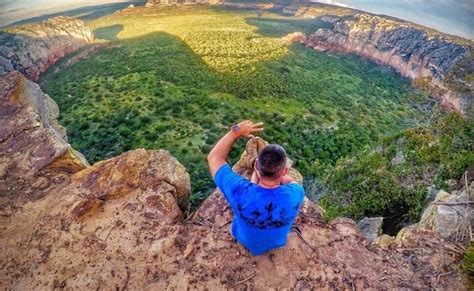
32	48
449	215
104	223
371	227
152	183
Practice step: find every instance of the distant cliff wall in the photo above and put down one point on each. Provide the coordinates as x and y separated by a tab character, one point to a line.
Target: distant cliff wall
151	3
31	49
414	52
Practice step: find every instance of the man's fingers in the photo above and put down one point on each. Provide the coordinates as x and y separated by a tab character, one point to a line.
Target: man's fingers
248	127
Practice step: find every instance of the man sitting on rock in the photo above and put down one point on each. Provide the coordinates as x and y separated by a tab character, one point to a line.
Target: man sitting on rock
264	207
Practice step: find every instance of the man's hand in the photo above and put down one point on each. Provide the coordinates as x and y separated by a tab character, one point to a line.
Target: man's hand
218	155
247	127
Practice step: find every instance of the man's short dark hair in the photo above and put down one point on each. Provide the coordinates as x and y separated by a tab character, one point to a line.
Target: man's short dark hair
271	160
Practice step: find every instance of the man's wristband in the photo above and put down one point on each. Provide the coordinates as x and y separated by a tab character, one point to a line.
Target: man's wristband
235	129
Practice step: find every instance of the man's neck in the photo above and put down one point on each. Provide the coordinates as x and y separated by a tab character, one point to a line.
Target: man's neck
269	184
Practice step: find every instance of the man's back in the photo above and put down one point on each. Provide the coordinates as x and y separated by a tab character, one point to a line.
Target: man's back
262	217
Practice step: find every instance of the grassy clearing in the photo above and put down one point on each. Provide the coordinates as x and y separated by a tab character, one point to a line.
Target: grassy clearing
179	76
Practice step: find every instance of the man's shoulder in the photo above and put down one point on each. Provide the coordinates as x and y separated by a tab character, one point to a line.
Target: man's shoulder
226	172
294	186
229	181
296	191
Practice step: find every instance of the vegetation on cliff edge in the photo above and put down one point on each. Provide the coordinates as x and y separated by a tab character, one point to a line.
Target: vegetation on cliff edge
392	180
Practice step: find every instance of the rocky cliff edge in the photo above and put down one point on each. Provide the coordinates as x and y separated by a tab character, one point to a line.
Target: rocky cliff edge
121	224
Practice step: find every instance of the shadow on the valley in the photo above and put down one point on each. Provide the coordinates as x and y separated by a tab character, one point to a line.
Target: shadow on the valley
159	58
103	122
167	58
108	32
83	13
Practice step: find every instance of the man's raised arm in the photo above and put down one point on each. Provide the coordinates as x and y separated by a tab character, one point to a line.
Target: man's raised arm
218	155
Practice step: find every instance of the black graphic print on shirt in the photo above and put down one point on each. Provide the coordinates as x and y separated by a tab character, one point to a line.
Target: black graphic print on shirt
271	216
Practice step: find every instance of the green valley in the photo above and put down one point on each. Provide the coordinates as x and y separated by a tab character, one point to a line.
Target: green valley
177	77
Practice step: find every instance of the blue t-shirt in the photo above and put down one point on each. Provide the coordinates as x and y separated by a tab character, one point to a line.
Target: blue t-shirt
262	217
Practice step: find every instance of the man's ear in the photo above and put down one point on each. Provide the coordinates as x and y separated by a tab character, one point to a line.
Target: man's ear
255	168
285	171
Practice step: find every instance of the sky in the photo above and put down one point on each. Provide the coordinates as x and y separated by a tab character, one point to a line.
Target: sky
15	10
449	16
